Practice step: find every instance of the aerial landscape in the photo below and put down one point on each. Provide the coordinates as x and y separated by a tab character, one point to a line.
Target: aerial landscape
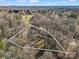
39	32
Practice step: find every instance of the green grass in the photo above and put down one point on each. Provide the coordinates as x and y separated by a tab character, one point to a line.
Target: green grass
1	45
18	17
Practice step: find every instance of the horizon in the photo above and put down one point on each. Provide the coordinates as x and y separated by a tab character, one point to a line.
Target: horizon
39	2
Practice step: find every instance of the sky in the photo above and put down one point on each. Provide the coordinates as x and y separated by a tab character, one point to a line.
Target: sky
39	2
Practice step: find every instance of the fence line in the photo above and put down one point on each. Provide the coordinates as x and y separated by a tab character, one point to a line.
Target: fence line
38	48
49	34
